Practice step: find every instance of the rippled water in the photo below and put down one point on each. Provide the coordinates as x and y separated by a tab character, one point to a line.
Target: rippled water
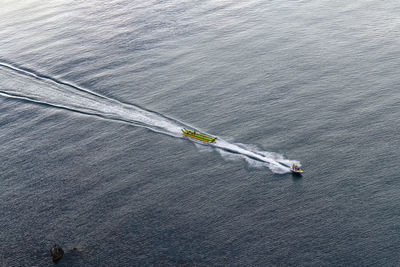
93	96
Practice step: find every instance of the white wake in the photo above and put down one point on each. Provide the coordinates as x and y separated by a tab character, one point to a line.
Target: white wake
28	86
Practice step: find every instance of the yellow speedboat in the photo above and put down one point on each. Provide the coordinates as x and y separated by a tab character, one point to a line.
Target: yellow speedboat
198	136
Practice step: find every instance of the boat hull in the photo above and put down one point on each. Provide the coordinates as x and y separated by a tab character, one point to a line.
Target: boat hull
198	136
296	171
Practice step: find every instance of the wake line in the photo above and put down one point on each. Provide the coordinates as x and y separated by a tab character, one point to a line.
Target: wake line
83	111
24	85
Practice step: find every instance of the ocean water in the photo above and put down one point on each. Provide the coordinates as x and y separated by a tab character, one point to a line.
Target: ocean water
93	95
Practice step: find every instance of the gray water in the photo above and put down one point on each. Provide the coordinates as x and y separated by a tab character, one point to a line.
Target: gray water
93	96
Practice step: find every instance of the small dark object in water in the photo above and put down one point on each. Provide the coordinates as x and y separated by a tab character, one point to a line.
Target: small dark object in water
56	252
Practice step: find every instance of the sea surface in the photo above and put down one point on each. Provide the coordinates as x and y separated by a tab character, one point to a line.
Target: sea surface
93	95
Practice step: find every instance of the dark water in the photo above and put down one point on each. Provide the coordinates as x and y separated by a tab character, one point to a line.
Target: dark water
93	96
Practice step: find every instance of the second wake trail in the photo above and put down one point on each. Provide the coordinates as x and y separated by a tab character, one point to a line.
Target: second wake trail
25	85
28	86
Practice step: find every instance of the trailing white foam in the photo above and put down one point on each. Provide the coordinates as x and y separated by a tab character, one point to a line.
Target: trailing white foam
28	86
253	157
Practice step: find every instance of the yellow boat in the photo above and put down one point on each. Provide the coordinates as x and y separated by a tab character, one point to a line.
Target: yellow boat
198	136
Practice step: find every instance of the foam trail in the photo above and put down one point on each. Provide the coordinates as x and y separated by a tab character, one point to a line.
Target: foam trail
33	88
25	85
273	161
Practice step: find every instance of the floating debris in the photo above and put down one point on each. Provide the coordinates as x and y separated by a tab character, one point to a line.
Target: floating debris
56	252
